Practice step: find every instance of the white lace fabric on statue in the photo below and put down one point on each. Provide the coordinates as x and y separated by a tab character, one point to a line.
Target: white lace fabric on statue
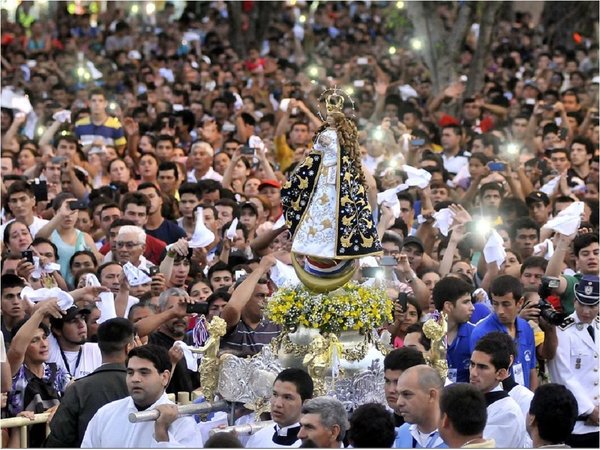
316	235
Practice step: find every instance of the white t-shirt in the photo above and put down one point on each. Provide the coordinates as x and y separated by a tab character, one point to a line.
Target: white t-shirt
37	224
90	359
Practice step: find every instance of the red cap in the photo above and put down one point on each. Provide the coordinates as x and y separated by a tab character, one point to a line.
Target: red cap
447	120
271	183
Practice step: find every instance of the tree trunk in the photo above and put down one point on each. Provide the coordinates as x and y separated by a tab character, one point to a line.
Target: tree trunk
476	70
441	48
236	37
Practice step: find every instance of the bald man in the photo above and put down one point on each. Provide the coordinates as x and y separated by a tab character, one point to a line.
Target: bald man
419	389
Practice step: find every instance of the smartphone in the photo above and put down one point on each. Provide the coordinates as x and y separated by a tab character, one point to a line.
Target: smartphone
403	300
388	261
362	61
153	271
359	83
40	190
28	255
548	107
247	151
76	204
417	142
497	166
197	308
373	272
563	133
58	159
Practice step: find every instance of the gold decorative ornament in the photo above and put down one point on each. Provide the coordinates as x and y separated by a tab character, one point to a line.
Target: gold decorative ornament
436	329
209	367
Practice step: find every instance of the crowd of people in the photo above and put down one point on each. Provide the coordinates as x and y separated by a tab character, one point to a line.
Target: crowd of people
142	163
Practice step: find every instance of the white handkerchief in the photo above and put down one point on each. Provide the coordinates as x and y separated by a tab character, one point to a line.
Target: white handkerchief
62	116
280	223
549	248
65	301
550	186
239	103
283	275
106	305
421	219
443	220
256	142
417	177
230	233
39	271
95	73
191	360
494	249
21	103
91	280
167	74
389	198
568	220
368	261
202	236
407	91
135	276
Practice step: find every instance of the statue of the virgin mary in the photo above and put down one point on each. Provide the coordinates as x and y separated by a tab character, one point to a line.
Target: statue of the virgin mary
326	208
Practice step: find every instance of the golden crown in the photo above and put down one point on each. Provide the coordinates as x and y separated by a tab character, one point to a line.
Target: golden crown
334	103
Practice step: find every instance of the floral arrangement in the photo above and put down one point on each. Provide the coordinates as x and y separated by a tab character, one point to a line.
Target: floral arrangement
351	307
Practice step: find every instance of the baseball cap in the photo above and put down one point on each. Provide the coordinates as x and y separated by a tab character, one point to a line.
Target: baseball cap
415	241
72	312
536	197
587	291
269	183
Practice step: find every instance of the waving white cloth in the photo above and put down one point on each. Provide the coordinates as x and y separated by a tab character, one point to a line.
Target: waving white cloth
494	249
283	275
443	220
106	305
550	186
568	220
549	248
202	236
417	177
95	73
191	360
12	100
38	271
65	301
62	116
135	276
230	233
389	198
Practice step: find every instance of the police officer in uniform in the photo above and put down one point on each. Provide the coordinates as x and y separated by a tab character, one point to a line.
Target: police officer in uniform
576	363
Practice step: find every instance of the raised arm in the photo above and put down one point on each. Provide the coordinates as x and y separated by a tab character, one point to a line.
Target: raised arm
232	312
19	344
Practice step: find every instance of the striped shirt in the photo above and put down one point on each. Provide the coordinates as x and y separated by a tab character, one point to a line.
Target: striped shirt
111	132
244	341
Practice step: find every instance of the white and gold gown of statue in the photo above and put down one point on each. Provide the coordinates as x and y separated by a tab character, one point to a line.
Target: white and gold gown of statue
327	212
316	235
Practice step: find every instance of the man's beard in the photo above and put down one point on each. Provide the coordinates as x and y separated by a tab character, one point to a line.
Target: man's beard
175	330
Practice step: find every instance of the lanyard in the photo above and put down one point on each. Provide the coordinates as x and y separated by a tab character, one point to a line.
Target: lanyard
67	362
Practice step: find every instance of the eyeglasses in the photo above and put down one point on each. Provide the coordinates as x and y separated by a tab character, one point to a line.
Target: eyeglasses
129	245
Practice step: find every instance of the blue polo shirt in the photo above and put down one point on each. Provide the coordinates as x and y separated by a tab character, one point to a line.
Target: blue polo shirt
459	354
524	342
